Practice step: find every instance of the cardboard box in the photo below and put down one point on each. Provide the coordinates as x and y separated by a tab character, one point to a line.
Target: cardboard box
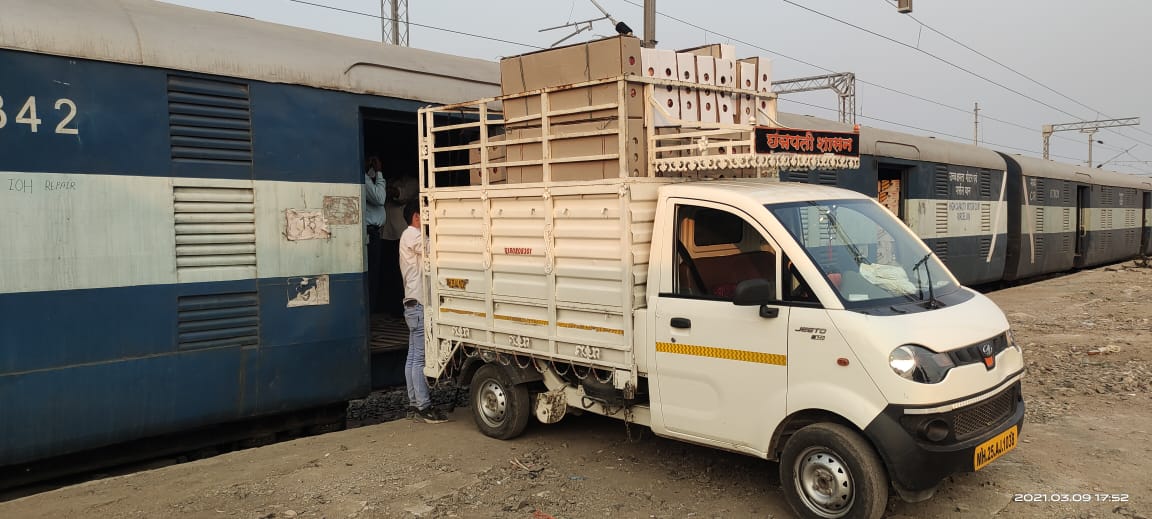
726	108
635	149
496	153
659	64
766	112
686	66
726	73
511	76
706	70
496	175
614	57
496	156
763	73
746	78
706	75
575	98
632	154
716	50
600	59
689	104
746	109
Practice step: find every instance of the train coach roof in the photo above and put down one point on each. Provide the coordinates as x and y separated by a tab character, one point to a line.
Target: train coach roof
149	33
887	143
1034	167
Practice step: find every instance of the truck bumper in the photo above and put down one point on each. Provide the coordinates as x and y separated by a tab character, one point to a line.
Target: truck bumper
920	449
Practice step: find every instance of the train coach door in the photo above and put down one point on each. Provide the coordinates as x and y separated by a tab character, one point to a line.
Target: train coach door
1146	225
1083	217
890	179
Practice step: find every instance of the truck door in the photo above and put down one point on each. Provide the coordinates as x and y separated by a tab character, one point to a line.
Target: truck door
720	368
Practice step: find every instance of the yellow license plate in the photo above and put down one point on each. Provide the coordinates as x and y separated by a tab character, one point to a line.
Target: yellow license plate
990	450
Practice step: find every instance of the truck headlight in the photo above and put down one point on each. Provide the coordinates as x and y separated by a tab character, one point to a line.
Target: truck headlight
1011	338
919	364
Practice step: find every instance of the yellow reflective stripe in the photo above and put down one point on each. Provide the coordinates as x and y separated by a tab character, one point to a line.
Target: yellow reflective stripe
536	322
591	328
521	320
462	312
722	353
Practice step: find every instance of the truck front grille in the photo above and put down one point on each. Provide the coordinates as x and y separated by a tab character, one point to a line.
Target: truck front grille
985	415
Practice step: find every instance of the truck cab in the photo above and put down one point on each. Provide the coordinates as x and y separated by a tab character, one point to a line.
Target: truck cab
775	308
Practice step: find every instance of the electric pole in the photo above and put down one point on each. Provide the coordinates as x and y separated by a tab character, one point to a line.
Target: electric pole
976	124
843	83
394	22
649	24
1088	127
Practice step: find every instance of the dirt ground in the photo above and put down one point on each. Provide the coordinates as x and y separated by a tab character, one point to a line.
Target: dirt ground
1087	436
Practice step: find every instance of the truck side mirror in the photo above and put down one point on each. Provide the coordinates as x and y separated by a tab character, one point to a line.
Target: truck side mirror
754	292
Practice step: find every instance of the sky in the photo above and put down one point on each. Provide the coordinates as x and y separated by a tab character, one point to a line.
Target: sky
1026	62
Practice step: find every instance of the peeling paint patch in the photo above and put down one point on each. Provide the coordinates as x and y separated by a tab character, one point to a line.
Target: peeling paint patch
306	225
308	291
342	210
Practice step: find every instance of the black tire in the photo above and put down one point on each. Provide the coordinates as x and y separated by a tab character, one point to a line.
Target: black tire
829	471
500	408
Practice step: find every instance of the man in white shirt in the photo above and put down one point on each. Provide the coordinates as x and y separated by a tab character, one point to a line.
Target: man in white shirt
403	187
411	258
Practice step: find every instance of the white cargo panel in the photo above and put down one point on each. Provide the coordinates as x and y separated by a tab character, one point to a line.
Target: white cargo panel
548	272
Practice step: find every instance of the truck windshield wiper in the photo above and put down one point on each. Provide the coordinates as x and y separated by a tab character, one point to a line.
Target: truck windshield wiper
932	303
856	255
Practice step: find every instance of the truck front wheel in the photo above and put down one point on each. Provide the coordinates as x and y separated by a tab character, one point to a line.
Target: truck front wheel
500	408
829	471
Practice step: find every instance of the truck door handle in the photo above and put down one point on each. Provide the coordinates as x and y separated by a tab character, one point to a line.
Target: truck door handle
769	312
681	322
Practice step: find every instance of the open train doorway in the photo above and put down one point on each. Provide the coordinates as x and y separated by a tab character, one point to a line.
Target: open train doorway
391	137
1083	199
1146	225
890	187
389	141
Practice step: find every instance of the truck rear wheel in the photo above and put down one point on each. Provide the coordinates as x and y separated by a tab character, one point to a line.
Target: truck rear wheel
829	471
500	408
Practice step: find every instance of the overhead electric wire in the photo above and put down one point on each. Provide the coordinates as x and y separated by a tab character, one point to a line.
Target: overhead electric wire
826	69
945	61
453	31
960	138
798	60
1017	72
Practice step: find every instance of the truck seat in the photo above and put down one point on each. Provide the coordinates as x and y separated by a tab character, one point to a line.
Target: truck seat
721	274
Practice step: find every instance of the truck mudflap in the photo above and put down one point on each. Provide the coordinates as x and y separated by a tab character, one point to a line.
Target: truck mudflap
921	448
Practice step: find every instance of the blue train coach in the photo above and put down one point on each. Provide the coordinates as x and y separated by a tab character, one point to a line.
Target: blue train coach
181	234
991	216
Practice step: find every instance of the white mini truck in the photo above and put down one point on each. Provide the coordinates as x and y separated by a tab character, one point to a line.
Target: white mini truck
792	322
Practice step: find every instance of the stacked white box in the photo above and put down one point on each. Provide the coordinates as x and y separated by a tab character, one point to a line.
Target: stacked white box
706	75
689	100
661	64
746	79
726	108
763	86
725	72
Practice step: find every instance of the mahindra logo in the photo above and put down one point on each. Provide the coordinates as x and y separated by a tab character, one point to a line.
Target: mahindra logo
986	352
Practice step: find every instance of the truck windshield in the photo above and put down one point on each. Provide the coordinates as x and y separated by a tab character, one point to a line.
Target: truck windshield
866	254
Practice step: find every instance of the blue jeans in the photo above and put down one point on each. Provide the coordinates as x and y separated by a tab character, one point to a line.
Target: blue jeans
414	366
